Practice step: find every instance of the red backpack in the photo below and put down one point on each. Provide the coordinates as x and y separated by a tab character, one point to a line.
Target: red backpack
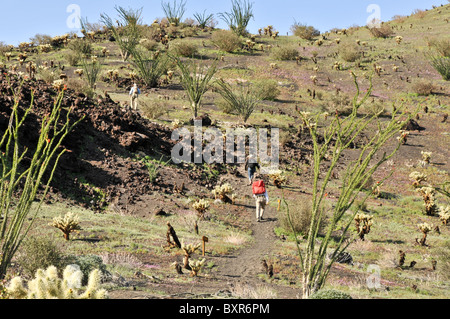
259	188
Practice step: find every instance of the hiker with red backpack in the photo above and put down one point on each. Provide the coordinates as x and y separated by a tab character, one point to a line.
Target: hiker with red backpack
261	197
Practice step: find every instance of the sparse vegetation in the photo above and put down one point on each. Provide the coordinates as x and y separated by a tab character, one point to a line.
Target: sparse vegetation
335	169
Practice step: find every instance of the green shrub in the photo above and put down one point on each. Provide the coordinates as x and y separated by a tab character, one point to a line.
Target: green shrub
304	31
330	294
266	90
153	109
226	41
285	53
80	46
299	218
185	49
40	39
37	253
383	31
72	57
149	44
349	52
423	87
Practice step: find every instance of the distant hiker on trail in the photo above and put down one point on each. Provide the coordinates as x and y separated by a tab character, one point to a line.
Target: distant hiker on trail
251	168
134	94
261	197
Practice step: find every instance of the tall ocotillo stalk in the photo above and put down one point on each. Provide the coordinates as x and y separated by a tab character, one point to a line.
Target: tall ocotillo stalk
337	137
21	180
126	32
195	80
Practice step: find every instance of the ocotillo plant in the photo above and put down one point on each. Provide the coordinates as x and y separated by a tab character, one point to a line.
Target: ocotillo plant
239	17
174	12
242	99
24	179
126	32
335	138
195	79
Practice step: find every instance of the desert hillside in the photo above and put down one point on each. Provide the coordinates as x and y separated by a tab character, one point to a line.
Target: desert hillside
118	178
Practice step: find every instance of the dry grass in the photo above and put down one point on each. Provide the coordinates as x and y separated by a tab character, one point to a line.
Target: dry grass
243	291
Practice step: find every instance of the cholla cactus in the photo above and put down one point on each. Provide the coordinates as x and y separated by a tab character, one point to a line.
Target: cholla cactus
318	42
188	251
45	48
176	124
425	228
395	68
201	206
418	178
196	266
79	72
278	178
314	79
113	75
426	157
223	192
337	65
67	224
47	285
444	214
398	39
428	198
58	85
403	138
363	224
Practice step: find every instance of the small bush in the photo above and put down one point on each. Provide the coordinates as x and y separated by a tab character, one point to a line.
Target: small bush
226	41
304	31
383	31
184	49
423	87
72	57
47	75
349	52
150	45
300	218
41	39
80	86
266	90
36	253
154	109
285	53
81	47
330	294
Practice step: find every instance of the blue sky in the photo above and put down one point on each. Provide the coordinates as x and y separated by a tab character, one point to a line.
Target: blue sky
22	20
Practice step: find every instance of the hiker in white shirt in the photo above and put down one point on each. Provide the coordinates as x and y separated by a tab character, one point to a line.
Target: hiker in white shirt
134	94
